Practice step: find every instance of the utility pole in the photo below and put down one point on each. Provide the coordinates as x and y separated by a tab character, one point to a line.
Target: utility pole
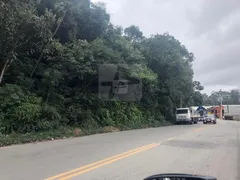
220	93
227	105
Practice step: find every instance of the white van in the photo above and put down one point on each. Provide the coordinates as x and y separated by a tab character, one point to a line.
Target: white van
183	115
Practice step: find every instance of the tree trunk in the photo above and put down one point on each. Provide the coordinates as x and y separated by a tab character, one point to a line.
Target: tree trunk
4	70
54	33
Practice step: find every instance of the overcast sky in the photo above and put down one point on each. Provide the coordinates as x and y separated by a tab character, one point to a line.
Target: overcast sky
208	28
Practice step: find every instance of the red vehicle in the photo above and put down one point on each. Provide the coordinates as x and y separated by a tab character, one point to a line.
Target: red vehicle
216	111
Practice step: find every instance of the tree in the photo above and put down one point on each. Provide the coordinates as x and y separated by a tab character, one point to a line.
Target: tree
197	86
228	97
197	97
234	96
133	33
22	32
207	101
172	63
50	52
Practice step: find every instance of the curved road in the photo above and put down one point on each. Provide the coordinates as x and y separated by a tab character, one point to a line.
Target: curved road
199	149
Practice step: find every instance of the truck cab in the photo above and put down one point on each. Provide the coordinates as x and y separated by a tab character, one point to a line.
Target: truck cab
183	115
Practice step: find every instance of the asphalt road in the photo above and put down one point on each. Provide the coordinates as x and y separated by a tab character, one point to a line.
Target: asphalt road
131	155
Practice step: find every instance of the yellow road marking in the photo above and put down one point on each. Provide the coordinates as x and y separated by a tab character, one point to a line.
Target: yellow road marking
98	164
169	139
107	162
200	129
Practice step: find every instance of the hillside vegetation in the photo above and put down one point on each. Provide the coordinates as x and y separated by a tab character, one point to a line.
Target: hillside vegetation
50	51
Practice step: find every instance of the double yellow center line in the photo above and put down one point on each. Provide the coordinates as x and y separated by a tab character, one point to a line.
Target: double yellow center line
75	172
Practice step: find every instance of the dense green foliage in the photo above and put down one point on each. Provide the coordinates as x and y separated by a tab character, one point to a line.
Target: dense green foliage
49	56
